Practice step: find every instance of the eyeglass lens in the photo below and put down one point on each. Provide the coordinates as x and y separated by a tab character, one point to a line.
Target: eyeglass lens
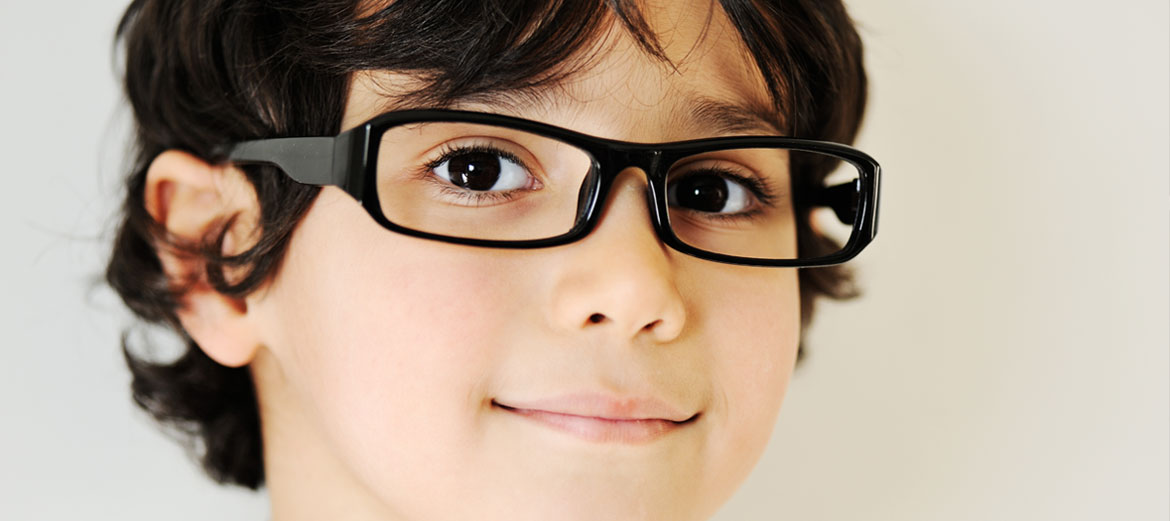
488	182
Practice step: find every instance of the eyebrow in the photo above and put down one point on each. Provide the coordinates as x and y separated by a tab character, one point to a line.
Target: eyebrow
725	117
705	115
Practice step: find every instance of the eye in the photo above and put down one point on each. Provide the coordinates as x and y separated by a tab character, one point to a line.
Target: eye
481	170
709	192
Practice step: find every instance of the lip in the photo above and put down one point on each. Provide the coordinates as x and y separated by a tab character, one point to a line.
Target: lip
600	418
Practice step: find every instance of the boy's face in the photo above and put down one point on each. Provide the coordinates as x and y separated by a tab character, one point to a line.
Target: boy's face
396	371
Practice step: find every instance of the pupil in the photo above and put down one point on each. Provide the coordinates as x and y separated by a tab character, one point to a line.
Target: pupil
474	170
705	193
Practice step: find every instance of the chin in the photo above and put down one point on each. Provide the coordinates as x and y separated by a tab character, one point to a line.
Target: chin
576	499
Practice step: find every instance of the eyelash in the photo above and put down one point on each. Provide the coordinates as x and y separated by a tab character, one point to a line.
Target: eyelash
476	198
760	189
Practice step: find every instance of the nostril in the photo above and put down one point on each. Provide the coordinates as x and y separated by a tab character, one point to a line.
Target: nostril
596	318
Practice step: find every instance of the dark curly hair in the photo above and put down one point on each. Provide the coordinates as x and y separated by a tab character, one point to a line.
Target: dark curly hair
203	73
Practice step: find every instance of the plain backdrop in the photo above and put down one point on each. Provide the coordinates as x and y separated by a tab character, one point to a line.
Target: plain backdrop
1010	360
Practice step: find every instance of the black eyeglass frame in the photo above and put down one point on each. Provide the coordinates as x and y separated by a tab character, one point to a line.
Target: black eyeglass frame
348	161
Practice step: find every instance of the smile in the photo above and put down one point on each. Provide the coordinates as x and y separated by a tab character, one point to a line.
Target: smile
600	428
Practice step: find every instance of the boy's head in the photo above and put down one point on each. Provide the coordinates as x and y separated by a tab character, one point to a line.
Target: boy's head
420	379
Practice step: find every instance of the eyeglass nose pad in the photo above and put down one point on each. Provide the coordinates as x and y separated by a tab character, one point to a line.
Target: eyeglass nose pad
587	195
654	202
648	161
598	184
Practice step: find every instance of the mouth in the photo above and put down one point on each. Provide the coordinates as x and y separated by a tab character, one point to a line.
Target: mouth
630	428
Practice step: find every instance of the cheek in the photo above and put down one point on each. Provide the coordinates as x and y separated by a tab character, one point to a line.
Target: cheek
387	340
762	324
751	321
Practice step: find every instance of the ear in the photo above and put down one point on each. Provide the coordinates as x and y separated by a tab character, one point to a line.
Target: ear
191	198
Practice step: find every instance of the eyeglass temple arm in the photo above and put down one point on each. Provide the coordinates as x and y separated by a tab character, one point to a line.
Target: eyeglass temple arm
841	198
318	161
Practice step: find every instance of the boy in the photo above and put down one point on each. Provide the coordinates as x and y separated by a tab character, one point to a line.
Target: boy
473	282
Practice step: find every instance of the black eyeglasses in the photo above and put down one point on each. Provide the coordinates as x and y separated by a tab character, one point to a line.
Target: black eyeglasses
498	181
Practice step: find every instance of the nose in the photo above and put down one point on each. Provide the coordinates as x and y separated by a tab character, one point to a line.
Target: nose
619	279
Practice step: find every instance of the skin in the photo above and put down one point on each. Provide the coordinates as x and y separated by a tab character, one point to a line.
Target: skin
377	356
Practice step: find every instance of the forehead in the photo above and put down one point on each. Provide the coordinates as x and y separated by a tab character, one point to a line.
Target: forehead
703	82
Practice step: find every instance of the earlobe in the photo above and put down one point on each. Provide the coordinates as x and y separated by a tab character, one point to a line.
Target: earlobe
191	199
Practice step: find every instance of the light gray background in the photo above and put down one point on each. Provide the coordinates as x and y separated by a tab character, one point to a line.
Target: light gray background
1011	360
